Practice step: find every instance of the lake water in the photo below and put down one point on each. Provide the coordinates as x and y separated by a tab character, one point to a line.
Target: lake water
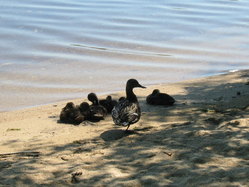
52	50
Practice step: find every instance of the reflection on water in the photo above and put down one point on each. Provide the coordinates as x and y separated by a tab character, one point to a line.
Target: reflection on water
57	49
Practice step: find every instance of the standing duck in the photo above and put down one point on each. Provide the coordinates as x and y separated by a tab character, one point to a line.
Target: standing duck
157	98
127	111
71	114
97	111
108	103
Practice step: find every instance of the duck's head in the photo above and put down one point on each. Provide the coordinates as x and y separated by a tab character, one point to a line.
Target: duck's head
109	98
133	83
84	106
93	98
70	105
155	91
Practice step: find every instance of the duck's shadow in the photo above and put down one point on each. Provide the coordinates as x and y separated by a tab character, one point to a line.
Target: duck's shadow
116	134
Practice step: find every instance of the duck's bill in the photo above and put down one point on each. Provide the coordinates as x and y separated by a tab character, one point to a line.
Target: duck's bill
142	86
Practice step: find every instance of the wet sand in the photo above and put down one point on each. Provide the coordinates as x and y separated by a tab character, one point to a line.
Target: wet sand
203	140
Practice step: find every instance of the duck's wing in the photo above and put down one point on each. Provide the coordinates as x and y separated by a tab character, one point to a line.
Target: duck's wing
166	99
98	111
125	113
130	114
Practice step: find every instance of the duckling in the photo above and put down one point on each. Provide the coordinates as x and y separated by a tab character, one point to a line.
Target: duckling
84	108
127	111
71	114
108	103
65	112
97	111
121	98
157	98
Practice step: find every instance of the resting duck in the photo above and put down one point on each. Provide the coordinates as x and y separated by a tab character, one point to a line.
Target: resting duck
157	98
127	111
121	98
84	108
108	103
97	111
71	114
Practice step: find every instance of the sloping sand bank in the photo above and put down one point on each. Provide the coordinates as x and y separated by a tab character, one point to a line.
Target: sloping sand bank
203	140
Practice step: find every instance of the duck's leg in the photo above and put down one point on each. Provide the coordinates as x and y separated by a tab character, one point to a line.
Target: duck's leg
127	128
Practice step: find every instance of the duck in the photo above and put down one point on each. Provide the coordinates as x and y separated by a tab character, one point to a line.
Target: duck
71	114
97	111
108	103
158	98
121	98
127	111
84	108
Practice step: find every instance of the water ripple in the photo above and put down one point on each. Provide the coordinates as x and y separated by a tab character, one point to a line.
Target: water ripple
57	49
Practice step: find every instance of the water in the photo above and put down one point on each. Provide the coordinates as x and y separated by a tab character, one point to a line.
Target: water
54	50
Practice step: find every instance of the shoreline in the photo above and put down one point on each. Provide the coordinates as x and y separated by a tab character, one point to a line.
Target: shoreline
103	93
205	134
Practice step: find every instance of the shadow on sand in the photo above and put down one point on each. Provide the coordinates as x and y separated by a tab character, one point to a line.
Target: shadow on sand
116	134
194	143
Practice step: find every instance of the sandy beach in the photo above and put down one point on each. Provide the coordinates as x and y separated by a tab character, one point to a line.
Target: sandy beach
202	140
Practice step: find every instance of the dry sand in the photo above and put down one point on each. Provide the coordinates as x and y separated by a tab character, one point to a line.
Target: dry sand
203	140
